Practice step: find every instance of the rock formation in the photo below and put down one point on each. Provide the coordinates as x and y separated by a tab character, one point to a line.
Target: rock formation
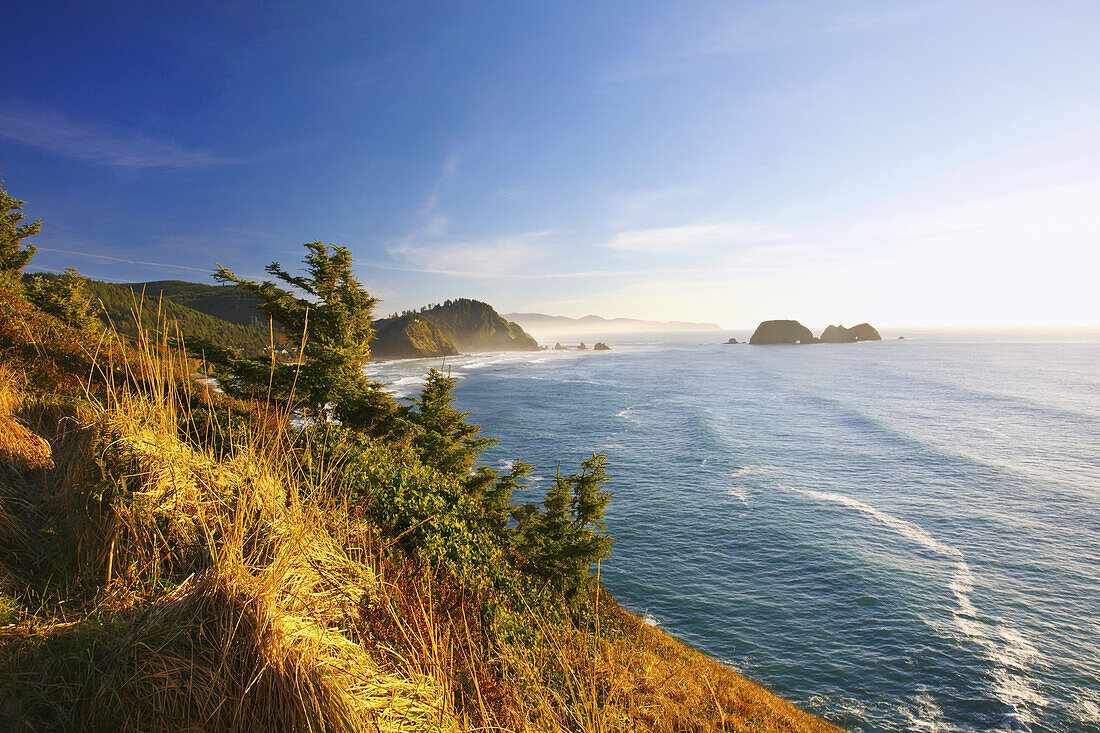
782	332
601	346
842	335
732	340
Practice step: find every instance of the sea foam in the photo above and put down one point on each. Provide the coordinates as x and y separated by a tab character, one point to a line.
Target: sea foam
1009	651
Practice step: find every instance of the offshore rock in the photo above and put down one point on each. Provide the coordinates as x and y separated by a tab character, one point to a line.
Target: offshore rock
842	335
781	332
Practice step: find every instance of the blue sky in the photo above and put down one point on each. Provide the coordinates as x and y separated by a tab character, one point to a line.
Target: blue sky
907	163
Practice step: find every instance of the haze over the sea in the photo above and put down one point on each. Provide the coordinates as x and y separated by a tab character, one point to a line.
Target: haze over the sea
918	163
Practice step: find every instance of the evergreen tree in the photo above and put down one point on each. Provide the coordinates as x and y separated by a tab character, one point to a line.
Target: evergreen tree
14	252
331	312
442	436
563	539
64	296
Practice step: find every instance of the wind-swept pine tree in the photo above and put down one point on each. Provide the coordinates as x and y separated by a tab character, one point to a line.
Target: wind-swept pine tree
330	312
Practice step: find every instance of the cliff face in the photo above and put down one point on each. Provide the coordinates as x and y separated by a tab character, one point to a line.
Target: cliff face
842	335
474	326
410	337
458	326
782	332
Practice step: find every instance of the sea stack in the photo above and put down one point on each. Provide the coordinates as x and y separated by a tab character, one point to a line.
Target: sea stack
842	335
781	332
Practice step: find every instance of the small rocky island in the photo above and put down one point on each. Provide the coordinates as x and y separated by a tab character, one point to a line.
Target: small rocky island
781	332
842	335
793	332
601	346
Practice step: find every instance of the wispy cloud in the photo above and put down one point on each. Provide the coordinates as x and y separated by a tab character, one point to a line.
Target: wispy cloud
681	238
124	260
677	43
99	144
497	257
447	173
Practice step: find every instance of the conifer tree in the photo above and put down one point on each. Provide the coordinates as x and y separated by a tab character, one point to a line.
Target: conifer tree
15	253
330	312
442	435
563	539
64	296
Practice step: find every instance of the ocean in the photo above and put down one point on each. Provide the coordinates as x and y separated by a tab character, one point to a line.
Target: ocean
898	536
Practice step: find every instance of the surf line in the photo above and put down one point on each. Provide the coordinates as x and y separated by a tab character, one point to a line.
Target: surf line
1010	658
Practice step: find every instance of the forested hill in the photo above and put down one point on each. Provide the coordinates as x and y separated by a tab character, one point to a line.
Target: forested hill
221	314
226	315
455	326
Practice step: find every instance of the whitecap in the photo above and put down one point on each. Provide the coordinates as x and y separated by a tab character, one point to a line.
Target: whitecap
923	714
625	415
750	471
1006	647
740	493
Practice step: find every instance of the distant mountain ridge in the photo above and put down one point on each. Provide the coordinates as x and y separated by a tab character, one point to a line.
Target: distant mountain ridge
597	324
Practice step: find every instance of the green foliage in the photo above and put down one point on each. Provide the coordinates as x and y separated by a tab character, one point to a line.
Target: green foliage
441	434
120	305
332	315
225	302
561	541
14	252
65	296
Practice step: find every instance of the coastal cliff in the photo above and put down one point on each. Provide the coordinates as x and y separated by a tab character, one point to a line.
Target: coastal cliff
456	326
410	337
116	608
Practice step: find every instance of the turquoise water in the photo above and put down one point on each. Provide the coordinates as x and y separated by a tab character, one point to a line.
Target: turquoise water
902	535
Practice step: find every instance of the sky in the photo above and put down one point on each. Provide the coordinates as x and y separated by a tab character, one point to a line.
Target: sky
905	163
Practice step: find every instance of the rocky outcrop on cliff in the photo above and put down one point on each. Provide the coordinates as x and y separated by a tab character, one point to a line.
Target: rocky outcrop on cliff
782	332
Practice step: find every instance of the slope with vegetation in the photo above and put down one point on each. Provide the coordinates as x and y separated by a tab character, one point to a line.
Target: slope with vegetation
410	336
200	312
177	558
465	326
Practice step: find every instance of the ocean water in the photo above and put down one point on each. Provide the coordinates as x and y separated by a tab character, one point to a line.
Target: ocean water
897	536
